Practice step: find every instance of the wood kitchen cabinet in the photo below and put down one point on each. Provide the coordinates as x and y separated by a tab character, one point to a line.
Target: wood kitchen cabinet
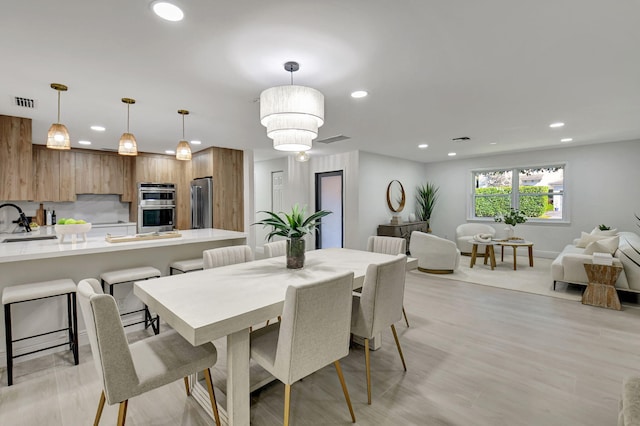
53	174
15	159
99	173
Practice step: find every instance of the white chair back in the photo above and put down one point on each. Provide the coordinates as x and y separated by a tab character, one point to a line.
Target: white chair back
277	248
315	327
471	229
382	295
108	340
387	245
223	256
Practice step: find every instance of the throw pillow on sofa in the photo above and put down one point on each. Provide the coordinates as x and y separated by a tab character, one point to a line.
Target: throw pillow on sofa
609	232
585	239
606	245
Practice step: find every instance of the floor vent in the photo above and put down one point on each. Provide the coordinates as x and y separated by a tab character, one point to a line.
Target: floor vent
333	139
21	102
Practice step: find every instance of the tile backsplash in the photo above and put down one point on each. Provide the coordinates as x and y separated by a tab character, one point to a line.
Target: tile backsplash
90	207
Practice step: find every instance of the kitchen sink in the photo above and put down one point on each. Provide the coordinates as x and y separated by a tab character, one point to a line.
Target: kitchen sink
17	240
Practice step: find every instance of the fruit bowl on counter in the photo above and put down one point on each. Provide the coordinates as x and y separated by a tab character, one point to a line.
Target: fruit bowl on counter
63	229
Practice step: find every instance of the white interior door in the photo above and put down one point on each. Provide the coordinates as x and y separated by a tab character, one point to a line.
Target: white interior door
277	188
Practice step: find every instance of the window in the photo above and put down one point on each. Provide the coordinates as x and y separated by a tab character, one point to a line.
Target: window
538	192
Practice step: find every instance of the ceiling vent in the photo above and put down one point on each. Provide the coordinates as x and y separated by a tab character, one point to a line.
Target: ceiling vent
461	139
22	102
109	149
333	139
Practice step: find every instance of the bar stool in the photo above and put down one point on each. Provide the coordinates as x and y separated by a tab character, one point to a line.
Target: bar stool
187	265
34	291
122	276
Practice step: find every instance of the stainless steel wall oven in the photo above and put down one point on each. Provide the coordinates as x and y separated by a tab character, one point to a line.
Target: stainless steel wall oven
156	207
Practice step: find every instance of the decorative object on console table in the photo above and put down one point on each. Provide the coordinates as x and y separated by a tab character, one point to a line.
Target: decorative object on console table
601	290
402	230
294	227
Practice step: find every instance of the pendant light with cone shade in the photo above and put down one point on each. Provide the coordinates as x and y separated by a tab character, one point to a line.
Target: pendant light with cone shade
58	135
128	145
183	151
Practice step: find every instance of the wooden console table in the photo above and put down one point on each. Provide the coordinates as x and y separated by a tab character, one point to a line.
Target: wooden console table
601	290
402	230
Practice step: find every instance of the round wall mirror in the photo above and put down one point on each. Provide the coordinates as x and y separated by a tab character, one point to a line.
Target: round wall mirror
396	196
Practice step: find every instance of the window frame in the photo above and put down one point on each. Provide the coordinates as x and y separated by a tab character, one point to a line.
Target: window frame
515	192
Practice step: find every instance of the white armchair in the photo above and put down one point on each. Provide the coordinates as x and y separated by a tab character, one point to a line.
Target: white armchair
435	255
465	233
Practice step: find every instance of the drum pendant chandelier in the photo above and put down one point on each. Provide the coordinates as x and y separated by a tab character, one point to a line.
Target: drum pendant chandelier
58	135
292	114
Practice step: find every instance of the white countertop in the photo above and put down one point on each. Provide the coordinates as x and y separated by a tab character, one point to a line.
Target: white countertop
42	249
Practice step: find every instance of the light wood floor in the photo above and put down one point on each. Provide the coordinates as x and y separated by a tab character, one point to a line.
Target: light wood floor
476	356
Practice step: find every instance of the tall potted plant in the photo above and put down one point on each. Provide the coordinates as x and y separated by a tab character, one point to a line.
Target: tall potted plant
294	227
426	198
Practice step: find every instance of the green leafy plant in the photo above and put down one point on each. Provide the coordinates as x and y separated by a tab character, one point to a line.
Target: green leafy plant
293	225
426	198
604	227
512	217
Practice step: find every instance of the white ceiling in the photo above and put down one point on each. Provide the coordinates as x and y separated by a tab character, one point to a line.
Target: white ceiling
495	71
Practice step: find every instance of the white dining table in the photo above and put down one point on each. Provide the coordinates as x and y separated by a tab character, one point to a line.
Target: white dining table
206	305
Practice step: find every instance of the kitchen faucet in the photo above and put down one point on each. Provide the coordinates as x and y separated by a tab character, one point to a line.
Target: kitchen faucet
22	219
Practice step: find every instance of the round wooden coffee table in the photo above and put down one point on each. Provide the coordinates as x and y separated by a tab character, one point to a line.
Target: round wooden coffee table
488	253
515	246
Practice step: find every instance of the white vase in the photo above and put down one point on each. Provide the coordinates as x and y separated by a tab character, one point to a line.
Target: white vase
509	231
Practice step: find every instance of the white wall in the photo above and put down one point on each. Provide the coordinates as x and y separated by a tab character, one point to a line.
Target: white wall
376	171
601	182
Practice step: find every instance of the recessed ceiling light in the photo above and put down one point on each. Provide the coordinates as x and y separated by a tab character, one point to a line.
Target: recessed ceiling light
556	125
84	142
566	140
423	146
169	152
98	128
359	94
493	143
451	154
196	142
168	11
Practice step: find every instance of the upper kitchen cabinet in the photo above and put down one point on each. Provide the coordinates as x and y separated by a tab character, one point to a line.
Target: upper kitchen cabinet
53	174
15	159
156	168
99	173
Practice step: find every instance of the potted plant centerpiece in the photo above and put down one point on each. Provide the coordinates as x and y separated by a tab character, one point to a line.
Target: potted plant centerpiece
294	227
511	218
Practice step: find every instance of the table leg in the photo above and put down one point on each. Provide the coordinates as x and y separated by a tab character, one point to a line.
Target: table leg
531	256
492	256
515	256
501	253
238	378
474	253
486	253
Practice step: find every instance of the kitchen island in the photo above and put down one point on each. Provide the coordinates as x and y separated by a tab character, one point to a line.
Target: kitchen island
44	260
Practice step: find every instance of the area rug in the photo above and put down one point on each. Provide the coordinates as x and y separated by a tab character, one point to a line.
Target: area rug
535	280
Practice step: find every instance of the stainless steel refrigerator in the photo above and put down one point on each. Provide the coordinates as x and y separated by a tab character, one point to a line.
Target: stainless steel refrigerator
202	203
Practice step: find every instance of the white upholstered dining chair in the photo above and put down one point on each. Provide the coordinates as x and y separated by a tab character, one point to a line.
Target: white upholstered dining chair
388	245
379	306
223	256
275	249
127	370
313	333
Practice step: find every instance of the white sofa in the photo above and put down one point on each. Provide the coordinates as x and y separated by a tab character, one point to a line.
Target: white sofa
568	266
435	255
465	233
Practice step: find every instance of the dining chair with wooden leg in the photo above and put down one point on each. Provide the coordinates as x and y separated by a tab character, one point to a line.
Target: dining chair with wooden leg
313	333
275	249
389	245
128	370
379	306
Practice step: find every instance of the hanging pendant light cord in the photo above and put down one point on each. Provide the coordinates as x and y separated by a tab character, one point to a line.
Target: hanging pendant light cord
128	118
58	107
291	77
182	126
